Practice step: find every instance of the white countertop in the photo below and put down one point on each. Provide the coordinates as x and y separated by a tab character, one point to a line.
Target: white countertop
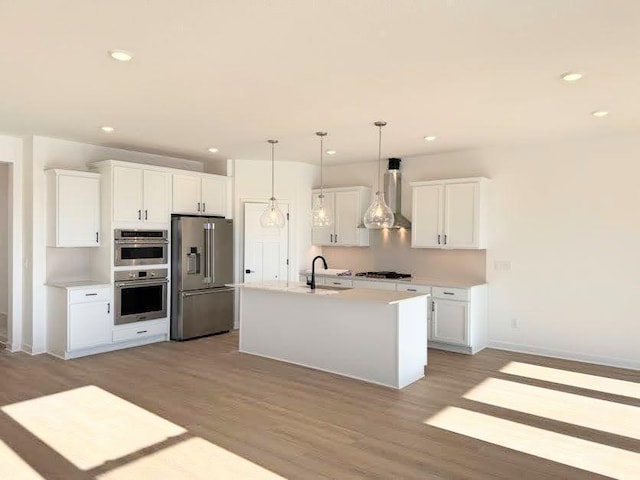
357	294
429	281
78	284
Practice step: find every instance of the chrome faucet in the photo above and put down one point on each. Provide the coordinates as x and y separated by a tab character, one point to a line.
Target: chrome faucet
312	283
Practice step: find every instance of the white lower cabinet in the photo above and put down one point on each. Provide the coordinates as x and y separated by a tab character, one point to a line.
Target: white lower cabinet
404	287
450	321
79	319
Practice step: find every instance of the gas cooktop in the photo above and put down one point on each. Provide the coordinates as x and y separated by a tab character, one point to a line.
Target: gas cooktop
389	275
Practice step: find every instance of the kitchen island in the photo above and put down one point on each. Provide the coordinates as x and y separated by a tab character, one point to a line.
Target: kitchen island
372	335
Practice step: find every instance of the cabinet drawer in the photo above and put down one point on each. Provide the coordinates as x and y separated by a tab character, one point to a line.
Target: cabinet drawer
90	295
139	331
402	287
338	282
451	293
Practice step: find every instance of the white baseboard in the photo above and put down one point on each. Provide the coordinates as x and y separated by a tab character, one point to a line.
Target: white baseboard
31	351
565	355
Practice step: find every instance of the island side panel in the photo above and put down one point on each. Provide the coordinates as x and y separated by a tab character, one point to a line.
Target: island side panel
352	338
412	340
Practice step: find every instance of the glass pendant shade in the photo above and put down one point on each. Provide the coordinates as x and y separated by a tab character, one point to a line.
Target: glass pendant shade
272	217
321	216
379	215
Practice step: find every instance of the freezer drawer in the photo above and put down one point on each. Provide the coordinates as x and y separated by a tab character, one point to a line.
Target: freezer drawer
203	312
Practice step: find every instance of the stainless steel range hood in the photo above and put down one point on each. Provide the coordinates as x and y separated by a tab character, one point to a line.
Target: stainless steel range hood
393	193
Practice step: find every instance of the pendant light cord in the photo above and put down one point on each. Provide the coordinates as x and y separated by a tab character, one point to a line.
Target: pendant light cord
321	180
273	147
379	154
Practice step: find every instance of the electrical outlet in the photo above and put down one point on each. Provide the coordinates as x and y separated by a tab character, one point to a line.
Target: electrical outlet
502	265
514	323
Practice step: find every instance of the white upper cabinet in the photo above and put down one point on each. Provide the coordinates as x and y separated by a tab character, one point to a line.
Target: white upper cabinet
348	206
74	209
449	214
200	194
140	195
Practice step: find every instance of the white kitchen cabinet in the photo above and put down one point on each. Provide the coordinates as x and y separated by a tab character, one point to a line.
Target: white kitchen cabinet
449	214
410	287
73	208
347	206
200	194
459	319
140	195
79	320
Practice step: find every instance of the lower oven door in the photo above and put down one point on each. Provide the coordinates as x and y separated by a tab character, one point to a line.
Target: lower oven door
137	301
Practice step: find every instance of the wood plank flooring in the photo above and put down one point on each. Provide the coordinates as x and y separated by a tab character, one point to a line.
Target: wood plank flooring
305	424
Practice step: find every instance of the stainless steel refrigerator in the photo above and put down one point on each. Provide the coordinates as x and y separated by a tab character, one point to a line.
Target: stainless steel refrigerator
201	265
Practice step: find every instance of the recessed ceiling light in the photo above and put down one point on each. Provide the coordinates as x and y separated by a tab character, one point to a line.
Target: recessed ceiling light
121	55
331	152
571	77
600	113
430	138
213	150
107	129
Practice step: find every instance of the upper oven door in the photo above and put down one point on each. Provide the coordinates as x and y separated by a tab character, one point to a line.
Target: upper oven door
134	254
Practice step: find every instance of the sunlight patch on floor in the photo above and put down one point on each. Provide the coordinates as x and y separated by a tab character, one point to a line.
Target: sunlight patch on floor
195	459
571	451
89	426
579	410
574	379
13	467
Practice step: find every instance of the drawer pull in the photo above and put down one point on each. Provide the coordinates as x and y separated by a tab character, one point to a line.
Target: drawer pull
411	290
90	294
448	293
336	283
142	331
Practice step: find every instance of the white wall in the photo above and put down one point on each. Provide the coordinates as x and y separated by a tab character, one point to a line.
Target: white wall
293	183
567	216
42	153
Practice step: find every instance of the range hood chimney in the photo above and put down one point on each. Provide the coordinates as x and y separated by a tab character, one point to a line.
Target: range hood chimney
393	193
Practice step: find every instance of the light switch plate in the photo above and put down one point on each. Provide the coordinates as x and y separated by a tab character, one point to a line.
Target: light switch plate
502	265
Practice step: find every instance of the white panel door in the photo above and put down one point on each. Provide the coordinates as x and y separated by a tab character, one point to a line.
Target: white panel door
461	215
89	325
450	322
156	196
214	195
265	249
347	218
324	235
127	194
186	194
78	211
426	222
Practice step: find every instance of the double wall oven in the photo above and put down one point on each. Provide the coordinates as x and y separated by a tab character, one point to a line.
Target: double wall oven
140	295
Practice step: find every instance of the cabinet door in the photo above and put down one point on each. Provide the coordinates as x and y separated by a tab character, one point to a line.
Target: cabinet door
427	209
324	235
461	215
347	218
127	194
186	194
214	195
450	322
156	197
89	325
78	213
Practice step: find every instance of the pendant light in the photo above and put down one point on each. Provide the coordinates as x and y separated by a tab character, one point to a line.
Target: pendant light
272	217
320	214
379	215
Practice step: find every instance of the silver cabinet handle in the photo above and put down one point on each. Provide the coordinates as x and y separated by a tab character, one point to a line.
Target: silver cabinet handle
142	331
438	239
336	238
411	290
331	238
146	214
445	238
108	307
97	238
90	294
198	206
204	207
139	214
448	293
433	306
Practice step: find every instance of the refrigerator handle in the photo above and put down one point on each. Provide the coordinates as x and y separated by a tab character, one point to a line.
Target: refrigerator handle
207	254
212	250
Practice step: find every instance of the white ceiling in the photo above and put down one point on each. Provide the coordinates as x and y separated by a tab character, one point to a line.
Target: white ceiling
233	73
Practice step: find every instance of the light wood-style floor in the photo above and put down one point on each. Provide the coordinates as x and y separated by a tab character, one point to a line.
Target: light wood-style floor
305	424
